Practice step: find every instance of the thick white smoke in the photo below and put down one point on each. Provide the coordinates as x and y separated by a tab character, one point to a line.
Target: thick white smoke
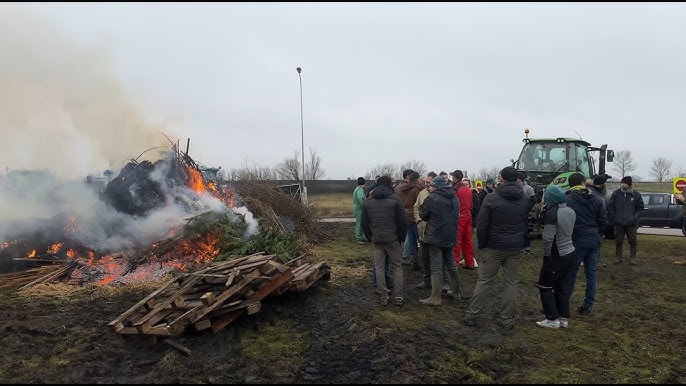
61	105
63	110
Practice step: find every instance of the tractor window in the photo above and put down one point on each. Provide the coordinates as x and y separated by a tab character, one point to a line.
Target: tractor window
582	161
545	157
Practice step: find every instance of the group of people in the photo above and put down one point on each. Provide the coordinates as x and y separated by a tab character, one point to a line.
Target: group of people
430	222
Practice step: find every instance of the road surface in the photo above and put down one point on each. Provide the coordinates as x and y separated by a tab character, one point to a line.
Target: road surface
660	231
642	230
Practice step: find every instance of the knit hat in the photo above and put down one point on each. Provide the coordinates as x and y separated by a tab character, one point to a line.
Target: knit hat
490	181
509	174
599	180
627	180
521	175
438	182
554	195
414	176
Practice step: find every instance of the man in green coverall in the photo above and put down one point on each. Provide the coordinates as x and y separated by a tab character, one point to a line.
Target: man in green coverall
358	202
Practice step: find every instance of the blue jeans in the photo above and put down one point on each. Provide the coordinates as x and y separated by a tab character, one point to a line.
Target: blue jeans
411	240
588	256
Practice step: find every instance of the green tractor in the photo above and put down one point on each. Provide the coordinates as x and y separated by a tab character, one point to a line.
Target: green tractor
550	161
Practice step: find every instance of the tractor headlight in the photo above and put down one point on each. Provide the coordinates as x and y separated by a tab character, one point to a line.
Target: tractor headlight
559	181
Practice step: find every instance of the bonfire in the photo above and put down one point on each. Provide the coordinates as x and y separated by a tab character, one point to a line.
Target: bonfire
150	220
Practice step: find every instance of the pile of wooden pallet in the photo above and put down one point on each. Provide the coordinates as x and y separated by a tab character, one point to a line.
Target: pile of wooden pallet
216	295
22	280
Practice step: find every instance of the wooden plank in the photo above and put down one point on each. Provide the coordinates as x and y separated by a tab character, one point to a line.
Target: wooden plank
136	307
245	304
270	287
208	299
226	319
144	323
150	304
253	308
295	262
202	324
177	346
232	276
196	313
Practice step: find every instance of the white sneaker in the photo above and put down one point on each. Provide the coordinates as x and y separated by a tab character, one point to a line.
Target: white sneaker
549	323
564	323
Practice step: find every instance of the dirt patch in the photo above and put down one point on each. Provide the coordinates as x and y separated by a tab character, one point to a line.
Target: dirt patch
338	333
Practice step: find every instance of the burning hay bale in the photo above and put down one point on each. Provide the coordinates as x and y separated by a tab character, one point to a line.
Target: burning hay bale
215	296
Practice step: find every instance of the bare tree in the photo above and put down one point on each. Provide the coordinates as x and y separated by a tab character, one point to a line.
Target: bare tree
680	172
486	173
251	171
661	168
624	163
313	168
380	170
289	168
417	166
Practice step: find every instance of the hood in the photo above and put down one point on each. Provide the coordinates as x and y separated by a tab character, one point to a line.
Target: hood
580	194
410	185
445	192
554	195
510	191
381	191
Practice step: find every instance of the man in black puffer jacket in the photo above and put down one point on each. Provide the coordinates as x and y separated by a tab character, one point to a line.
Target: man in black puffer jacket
500	231
441	211
385	224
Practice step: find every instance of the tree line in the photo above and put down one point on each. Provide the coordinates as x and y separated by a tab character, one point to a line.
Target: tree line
660	168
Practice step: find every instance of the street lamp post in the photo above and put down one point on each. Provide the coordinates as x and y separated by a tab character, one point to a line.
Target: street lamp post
303	194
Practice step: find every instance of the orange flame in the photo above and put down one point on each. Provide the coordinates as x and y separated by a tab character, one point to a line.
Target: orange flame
195	180
71	253
32	254
55	248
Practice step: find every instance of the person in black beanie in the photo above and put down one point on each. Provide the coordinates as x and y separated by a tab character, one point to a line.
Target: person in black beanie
501	227
624	210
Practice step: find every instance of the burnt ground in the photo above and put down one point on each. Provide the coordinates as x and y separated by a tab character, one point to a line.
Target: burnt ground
337	332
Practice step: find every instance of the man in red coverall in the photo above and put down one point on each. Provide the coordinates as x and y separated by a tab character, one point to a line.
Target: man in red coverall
464	226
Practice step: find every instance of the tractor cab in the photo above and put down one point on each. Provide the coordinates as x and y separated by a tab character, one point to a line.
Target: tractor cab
552	160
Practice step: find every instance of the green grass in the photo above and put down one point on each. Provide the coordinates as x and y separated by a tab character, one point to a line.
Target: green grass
636	333
277	348
333	204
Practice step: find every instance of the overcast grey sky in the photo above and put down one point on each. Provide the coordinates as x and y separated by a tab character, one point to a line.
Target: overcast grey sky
452	85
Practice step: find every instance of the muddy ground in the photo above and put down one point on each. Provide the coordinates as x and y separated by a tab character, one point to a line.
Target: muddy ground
338	333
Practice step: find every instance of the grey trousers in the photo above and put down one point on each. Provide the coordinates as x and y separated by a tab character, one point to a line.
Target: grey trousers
489	265
394	253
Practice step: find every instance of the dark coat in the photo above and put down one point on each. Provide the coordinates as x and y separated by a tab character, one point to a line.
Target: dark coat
383	217
503	217
625	208
591	219
441	211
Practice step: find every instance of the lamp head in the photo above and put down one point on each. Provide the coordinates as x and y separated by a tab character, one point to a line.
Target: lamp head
299	70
